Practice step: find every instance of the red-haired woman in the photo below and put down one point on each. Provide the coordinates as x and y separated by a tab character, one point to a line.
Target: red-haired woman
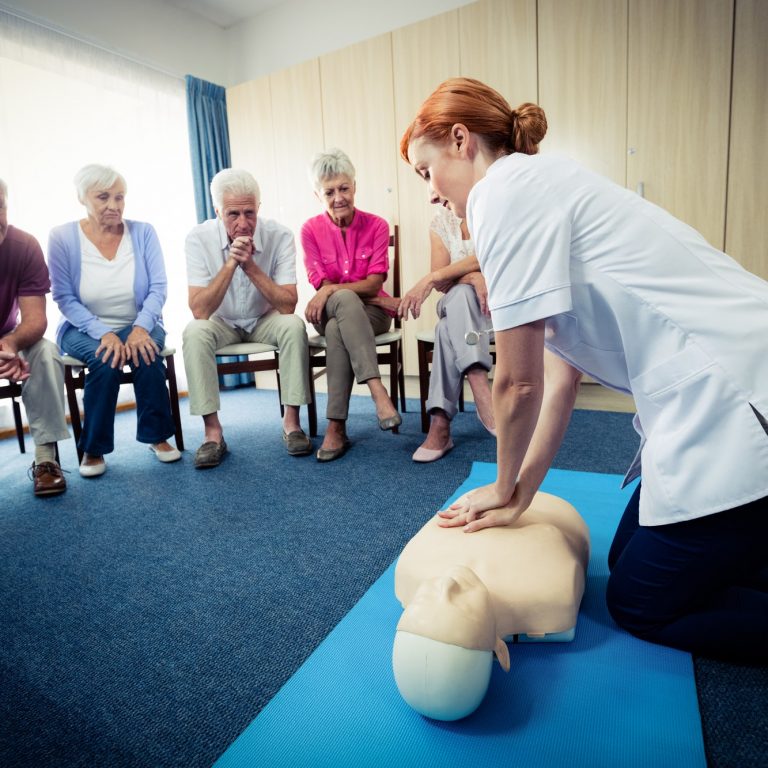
613	286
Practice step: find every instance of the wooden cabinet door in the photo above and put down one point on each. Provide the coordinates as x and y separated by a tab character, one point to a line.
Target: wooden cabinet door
423	55
746	229
498	46
359	118
583	82
251	138
679	95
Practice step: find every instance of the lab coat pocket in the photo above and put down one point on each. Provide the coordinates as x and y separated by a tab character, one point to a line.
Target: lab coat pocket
702	437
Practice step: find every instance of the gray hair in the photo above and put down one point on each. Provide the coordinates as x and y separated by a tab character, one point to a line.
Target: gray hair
3	189
328	164
95	176
233	181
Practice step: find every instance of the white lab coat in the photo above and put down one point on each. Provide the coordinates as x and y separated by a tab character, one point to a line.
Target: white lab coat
642	303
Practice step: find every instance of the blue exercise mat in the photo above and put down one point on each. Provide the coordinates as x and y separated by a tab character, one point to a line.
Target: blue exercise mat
602	701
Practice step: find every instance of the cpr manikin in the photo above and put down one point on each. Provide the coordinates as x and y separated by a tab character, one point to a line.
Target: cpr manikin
465	594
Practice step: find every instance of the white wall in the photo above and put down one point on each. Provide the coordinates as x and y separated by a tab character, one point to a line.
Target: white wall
154	33
298	30
178	42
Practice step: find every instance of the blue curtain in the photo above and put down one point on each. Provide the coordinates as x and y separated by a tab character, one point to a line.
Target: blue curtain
208	139
209	151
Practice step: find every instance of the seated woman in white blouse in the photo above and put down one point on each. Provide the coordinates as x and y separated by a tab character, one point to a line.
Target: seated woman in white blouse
454	272
108	279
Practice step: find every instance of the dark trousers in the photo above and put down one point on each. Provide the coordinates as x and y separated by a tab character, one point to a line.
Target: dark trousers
154	422
699	585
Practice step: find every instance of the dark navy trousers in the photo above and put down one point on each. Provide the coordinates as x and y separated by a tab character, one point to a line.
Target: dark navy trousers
698	585
154	422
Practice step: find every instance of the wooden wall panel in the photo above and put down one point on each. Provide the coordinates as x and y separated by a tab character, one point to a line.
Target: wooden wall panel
423	55
747	223
583	82
679	92
251	138
359	117
497	44
297	114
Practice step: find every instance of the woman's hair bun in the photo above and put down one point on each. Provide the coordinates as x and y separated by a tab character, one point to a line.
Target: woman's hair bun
529	126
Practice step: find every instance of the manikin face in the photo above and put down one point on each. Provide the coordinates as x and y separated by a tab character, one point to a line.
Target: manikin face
447	169
337	194
3	217
239	212
105	206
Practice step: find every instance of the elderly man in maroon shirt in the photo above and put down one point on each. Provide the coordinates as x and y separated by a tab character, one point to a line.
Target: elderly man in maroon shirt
25	356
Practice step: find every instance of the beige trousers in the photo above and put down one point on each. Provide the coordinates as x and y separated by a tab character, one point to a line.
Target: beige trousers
43	393
349	327
202	338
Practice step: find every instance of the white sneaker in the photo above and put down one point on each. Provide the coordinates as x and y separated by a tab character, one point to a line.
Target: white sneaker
93	470
166	456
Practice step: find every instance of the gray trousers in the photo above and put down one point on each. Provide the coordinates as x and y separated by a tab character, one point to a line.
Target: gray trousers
43	393
349	327
201	339
458	312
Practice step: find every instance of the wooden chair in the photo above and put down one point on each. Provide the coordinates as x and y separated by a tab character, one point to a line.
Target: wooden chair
425	345
392	340
74	379
12	390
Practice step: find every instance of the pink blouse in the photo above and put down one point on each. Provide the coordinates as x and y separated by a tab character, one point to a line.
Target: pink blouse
329	256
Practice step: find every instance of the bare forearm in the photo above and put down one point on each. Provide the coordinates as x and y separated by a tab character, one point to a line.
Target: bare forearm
207	300
281	297
24	335
366	289
516	409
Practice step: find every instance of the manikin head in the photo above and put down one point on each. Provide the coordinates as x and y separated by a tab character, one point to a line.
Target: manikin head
444	646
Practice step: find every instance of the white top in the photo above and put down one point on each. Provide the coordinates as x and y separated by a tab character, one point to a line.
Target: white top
207	248
106	287
448	227
642	303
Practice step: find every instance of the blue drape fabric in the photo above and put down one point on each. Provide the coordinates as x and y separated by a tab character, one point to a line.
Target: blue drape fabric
208	139
209	152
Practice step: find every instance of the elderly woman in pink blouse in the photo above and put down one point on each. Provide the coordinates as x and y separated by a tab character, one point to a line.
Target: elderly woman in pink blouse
347	258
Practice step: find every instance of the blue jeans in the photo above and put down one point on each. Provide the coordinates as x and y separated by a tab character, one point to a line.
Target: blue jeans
154	422
698	585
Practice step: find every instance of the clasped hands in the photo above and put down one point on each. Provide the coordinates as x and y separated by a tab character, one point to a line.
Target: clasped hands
12	367
484	507
139	344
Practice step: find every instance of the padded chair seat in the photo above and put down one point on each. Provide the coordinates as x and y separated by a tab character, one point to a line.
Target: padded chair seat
428	336
320	342
75	363
246	348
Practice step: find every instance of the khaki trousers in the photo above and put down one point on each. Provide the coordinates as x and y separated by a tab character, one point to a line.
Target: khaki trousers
202	338
43	393
349	327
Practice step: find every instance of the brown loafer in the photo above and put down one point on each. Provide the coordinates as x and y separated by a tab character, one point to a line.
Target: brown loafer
297	443
210	454
48	478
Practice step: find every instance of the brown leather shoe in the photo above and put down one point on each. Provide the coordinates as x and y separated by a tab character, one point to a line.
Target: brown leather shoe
48	478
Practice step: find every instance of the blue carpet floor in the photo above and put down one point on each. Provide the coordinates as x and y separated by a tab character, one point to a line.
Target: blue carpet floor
148	616
604	700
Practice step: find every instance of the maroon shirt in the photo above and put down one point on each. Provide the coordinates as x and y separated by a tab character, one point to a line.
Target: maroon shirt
23	272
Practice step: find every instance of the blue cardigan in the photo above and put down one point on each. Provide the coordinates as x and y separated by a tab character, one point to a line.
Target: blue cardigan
150	286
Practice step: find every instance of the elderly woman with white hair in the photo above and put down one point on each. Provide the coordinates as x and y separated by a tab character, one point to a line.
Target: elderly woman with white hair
108	279
346	254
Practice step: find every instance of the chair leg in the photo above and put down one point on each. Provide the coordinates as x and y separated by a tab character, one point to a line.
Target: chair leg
401	375
423	349
170	375
71	384
279	391
18	423
312	405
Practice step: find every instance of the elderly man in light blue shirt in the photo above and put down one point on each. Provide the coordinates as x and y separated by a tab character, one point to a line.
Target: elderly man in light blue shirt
241	273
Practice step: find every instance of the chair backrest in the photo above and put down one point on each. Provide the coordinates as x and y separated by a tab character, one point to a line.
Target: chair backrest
394	244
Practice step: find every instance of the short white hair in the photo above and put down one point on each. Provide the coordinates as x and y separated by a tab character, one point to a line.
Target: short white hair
233	181
329	164
95	176
3	189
